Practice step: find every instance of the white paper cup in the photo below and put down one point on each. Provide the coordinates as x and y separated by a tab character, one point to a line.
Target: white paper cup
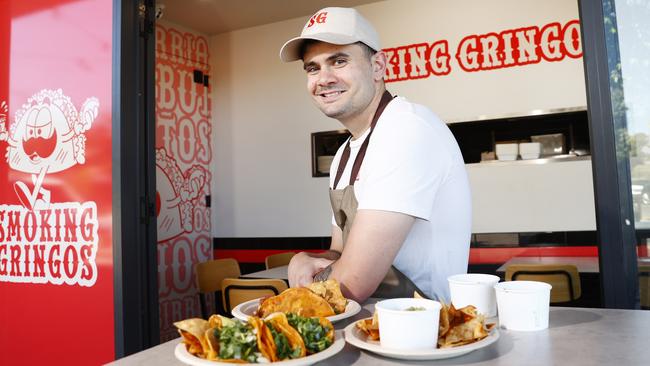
474	289
523	305
403	329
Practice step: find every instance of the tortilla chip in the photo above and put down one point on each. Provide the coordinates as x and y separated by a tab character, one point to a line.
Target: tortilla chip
331	292
444	323
301	301
466	326
367	327
465	333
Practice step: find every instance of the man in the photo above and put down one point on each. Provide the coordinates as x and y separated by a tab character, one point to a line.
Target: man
399	190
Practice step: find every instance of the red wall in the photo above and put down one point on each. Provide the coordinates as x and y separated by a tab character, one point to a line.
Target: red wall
56	260
476	255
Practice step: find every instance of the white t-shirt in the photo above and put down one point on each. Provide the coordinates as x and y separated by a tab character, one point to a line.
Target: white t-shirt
413	166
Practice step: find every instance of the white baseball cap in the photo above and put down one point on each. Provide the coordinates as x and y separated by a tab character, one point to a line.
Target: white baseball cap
332	25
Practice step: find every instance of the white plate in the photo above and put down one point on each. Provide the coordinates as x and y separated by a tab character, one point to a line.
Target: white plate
358	339
187	358
246	309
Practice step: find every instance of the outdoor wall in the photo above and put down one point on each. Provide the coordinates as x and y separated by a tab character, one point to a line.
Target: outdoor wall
263	116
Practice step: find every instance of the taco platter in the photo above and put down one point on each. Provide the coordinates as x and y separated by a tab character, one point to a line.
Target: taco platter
321	299
277	337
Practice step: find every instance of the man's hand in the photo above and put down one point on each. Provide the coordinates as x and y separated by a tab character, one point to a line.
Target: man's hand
304	266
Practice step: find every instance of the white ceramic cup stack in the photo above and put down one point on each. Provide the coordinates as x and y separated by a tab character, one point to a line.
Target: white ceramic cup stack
474	289
400	328
523	305
530	150
507	151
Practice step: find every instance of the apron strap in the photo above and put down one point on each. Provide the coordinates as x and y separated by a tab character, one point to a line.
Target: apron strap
397	284
385	99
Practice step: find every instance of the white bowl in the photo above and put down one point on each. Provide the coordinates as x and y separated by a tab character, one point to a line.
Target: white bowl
530	148
507	157
507	151
400	328
529	156
474	289
523	305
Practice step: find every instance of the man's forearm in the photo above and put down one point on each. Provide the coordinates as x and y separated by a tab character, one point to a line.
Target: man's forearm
328	254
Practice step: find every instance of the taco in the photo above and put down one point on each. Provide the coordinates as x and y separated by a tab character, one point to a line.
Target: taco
265	340
239	342
227	340
317	332
193	333
301	301
288	343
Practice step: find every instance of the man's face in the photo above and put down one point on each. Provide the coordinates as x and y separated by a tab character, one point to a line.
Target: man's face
340	79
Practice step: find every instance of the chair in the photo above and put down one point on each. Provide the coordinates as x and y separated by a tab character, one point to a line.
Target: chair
564	278
238	290
209	275
644	286
277	260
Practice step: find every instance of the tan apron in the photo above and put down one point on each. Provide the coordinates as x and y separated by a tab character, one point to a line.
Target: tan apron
344	205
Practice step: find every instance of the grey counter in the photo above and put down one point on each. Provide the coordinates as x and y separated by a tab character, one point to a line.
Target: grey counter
576	337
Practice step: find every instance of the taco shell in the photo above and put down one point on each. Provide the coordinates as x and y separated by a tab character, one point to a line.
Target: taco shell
301	301
193	332
265	342
280	323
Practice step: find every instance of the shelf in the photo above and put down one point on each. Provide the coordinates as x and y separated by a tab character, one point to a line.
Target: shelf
323	148
547	160
476	137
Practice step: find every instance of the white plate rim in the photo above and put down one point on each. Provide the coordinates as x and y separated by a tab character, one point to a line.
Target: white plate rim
351	309
354	337
339	342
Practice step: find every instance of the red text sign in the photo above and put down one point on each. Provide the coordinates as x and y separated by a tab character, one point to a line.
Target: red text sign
552	42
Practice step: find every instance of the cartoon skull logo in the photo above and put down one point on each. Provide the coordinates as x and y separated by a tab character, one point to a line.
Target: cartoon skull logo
47	137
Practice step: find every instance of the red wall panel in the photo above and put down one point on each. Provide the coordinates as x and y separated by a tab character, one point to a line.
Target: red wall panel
56	259
183	157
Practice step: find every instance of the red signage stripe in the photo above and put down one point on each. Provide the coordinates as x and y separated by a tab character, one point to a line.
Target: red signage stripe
252	255
502	255
476	256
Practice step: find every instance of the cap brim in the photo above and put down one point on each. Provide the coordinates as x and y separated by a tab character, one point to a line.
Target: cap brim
290	51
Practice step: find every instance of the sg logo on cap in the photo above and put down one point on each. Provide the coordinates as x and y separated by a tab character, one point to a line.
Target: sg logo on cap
317	18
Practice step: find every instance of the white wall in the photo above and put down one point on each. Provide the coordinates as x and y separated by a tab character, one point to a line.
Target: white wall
263	117
525	196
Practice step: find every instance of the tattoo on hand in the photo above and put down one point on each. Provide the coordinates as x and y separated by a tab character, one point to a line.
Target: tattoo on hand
324	274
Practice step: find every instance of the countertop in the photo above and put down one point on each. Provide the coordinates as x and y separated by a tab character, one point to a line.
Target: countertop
576	337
